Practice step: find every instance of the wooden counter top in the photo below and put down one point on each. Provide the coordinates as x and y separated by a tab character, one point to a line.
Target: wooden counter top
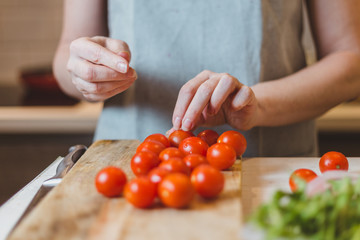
343	118
75	210
82	118
260	178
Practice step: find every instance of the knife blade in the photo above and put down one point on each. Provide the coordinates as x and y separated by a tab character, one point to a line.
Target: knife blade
67	162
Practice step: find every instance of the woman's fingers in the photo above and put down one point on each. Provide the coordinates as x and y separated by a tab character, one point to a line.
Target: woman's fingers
227	84
186	94
198	103
96	96
96	73
244	97
205	94
201	99
93	79
98	87
99	67
117	46
95	52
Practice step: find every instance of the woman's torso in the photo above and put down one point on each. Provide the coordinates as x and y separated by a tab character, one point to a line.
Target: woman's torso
172	41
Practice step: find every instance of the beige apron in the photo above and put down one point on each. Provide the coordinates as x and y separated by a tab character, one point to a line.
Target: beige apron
173	40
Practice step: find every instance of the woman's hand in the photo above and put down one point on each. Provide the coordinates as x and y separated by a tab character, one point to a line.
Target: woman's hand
214	99
99	67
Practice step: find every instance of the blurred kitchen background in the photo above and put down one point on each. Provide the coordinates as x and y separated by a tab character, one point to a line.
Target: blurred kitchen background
38	123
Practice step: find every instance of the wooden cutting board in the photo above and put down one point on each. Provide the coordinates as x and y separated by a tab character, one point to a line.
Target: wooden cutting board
74	209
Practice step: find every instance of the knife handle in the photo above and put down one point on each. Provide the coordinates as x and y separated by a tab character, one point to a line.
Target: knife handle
75	152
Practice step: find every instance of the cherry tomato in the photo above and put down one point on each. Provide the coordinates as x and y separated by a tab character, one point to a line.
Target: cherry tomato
156	175
110	181
170	153
176	190
209	136
192	145
140	192
177	136
160	138
152	146
207	181
234	139
221	156
301	174
333	161
194	160
175	165
142	162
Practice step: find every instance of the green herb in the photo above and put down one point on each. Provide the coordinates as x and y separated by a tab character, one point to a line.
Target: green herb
333	214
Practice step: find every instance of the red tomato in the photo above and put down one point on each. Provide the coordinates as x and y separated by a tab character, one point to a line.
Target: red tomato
234	139
209	136
194	160
170	153
177	136
176	190
160	138
140	192
302	174
110	181
175	165
192	145
207	181
221	156
333	161
156	175
152	146
142	162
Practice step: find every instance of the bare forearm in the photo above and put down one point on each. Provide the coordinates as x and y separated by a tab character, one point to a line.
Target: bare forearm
309	92
77	23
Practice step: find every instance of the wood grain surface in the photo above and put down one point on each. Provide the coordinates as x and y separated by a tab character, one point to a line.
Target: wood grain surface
74	209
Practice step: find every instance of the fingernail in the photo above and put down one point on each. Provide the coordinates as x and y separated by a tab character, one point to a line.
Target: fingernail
122	67
177	123
186	125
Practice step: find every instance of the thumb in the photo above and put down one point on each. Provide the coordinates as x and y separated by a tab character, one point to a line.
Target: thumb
119	47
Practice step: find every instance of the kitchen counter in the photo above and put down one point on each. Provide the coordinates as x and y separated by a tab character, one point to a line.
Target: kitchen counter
80	118
343	118
105	218
260	178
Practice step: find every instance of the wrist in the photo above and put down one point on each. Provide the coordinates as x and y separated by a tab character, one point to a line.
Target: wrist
259	118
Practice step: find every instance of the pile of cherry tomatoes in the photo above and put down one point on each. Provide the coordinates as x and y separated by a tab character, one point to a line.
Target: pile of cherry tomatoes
174	169
329	161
